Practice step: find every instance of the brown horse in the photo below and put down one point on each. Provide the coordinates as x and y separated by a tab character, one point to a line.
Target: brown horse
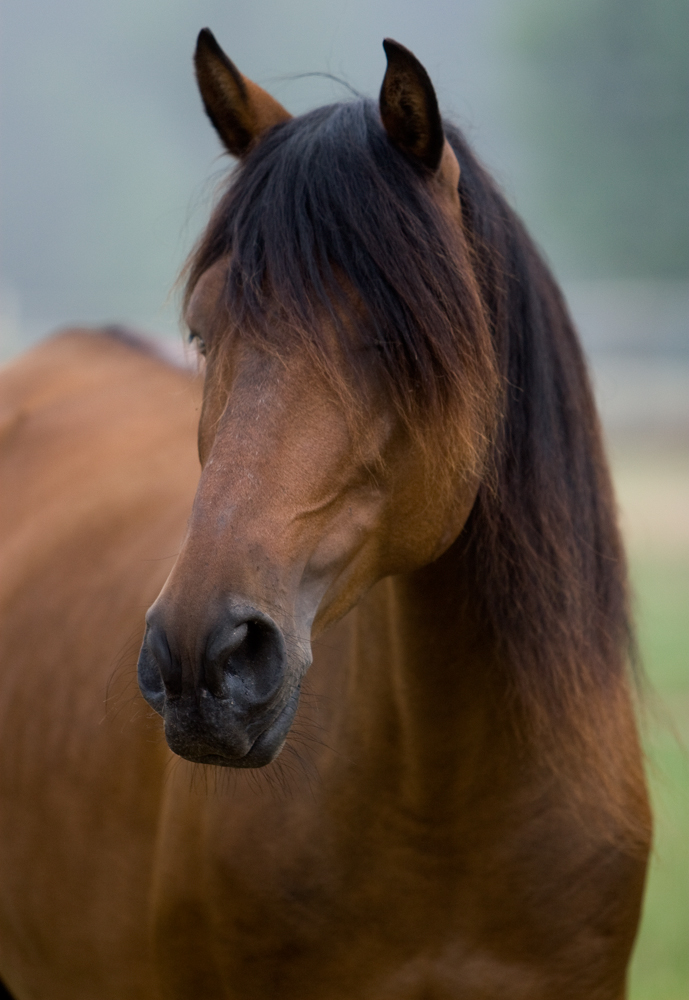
401	462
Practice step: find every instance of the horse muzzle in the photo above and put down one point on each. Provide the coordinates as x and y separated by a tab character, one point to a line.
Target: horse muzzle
230	703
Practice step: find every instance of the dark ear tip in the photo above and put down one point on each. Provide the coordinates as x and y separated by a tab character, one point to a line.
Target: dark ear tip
206	41
394	49
409	107
209	51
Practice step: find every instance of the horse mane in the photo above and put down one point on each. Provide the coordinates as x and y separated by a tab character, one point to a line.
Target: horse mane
463	325
543	539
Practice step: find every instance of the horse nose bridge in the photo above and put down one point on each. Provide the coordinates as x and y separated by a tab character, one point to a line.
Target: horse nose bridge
247	506
252	553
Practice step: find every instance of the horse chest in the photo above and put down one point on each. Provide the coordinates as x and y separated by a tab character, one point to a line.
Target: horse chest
252	905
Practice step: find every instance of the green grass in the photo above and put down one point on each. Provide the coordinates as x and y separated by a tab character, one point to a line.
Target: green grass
660	967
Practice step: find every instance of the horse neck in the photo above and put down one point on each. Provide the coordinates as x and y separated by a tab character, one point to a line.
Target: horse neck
431	728
424	719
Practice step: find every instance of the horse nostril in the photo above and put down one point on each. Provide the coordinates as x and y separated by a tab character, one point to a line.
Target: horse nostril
246	663
154	663
159	671
237	638
218	664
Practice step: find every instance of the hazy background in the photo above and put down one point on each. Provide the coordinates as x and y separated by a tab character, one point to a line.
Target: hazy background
579	107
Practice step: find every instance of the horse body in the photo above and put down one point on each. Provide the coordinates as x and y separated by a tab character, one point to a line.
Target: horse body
459	808
88	536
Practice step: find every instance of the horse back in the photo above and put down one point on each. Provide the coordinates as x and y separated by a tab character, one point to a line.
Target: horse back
98	472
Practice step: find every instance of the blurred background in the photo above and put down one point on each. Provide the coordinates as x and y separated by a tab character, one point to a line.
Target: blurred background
579	107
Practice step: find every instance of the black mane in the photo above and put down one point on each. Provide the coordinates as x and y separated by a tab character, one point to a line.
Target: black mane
544	536
325	210
325	206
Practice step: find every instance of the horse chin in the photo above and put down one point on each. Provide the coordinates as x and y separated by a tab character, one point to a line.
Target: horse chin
201	734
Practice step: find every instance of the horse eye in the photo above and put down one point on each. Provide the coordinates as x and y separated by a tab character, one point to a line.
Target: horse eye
200	343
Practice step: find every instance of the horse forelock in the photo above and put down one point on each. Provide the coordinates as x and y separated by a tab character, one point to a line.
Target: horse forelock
327	224
472	337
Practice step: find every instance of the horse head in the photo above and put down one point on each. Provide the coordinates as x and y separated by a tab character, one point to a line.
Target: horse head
348	399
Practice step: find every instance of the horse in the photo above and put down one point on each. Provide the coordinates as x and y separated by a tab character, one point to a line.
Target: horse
386	748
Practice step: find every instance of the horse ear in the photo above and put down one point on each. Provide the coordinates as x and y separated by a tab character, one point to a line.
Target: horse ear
409	107
240	110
